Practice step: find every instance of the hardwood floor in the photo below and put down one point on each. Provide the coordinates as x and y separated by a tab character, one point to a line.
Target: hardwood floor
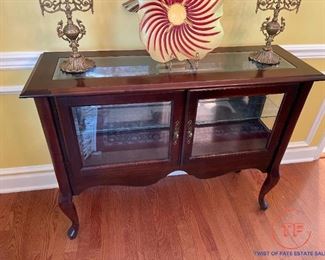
178	218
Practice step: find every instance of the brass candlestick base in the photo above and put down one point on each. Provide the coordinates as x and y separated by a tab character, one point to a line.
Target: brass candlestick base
266	56
271	28
71	32
77	64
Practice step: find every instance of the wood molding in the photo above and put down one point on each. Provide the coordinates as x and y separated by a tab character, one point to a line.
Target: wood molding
320	148
313	130
27	60
18	60
315	126
306	51
11	90
300	154
27	178
297	144
26	169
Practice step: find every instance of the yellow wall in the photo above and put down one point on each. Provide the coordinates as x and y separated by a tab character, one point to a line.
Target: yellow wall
111	27
22	28
311	108
22	141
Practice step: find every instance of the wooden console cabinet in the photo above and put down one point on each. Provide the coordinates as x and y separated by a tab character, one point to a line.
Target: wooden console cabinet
132	121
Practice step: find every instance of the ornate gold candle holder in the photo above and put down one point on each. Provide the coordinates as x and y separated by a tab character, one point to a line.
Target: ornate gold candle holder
71	32
271	28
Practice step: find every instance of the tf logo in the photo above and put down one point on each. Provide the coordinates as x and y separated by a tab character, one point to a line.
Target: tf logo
292	231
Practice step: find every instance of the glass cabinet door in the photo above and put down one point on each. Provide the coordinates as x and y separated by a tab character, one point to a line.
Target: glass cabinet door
123	133
230	125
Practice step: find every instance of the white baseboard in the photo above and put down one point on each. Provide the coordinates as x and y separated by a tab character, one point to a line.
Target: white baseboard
28	178
41	177
300	154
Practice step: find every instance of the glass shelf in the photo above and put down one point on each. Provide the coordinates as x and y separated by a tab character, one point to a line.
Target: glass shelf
211	111
128	66
234	124
111	134
245	135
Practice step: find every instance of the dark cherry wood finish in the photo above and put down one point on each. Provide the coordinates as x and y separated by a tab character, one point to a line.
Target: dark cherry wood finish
140	173
55	98
273	174
53	141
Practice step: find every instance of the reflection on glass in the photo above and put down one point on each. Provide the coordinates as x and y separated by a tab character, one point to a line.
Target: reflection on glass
129	66
112	134
228	125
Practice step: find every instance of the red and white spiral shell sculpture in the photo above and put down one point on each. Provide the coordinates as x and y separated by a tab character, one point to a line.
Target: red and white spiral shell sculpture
180	29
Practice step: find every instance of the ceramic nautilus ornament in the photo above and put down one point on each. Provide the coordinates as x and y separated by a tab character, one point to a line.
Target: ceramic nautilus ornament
180	29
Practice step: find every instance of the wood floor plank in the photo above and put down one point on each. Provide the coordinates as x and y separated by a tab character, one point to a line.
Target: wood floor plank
178	218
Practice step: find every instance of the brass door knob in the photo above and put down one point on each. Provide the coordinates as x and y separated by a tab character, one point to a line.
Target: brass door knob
176	132
189	132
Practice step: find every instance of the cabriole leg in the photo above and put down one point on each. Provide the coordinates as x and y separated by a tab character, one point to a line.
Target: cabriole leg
67	206
271	180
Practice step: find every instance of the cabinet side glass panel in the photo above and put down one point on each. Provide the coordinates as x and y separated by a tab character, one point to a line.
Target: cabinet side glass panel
234	124
127	133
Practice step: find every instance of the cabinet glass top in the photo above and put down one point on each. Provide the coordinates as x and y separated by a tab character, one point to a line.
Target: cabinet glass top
128	66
